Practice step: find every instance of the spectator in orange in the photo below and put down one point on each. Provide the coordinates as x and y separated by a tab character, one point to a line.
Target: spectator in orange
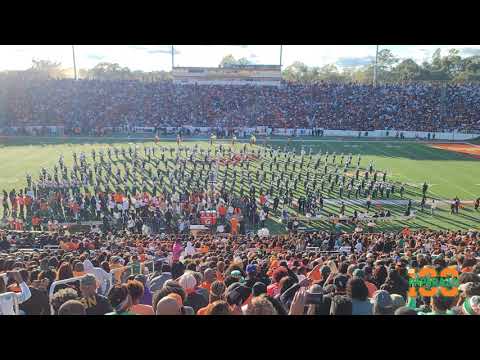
209	277
234	225
222	211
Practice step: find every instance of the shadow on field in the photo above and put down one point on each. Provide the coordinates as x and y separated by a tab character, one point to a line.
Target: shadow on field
391	149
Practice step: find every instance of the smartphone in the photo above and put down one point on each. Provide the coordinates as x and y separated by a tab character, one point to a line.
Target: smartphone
313	299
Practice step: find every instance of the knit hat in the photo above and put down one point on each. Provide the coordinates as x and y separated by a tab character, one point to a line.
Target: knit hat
359	273
382	299
237	293
238	275
325	271
340	282
471	306
251	268
259	288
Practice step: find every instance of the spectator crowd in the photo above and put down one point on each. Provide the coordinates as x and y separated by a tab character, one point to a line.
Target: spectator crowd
127	274
94	104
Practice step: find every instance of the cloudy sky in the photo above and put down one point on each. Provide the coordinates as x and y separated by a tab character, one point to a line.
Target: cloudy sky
157	57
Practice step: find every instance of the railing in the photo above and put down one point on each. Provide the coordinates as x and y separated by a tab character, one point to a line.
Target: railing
61	282
147	264
317	249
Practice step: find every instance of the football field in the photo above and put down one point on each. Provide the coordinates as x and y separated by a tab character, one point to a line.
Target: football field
449	174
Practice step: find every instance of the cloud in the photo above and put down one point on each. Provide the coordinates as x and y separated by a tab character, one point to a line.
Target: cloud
161	51
95	57
469	51
354	61
155	49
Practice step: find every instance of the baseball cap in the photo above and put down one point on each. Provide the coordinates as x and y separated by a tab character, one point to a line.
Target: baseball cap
251	268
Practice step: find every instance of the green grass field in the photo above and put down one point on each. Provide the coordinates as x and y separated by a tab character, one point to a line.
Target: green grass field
448	174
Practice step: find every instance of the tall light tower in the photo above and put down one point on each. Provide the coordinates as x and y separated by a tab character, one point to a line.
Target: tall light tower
74	63
375	68
281	52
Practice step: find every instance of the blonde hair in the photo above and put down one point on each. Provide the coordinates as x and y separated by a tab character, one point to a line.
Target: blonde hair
260	305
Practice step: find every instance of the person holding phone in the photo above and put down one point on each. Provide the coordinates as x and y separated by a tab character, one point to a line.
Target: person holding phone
24	294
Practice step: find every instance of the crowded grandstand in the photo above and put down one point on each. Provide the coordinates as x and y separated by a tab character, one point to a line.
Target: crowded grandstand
92	104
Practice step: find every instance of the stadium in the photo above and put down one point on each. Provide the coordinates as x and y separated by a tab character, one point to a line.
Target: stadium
239	190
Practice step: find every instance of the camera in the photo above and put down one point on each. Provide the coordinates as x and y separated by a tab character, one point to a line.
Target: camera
313	299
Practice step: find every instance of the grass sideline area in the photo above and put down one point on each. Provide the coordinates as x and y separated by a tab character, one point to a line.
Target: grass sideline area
448	174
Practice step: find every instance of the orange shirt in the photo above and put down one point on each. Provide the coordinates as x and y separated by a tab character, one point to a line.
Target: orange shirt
371	288
222	210
118	198
141	309
206	285
234	223
28	200
203	310
315	274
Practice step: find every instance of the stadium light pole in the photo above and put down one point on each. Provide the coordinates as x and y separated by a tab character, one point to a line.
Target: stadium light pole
173	54
74	63
375	68
281	52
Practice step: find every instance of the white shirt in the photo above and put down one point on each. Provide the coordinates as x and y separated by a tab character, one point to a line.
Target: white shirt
358	247
262	215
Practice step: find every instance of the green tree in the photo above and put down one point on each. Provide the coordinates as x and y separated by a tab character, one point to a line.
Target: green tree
230	60
386	61
109	71
46	69
407	70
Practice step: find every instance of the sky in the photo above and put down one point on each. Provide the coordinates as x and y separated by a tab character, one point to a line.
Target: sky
158	57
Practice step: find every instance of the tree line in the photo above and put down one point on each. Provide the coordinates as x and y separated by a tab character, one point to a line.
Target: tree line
390	69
